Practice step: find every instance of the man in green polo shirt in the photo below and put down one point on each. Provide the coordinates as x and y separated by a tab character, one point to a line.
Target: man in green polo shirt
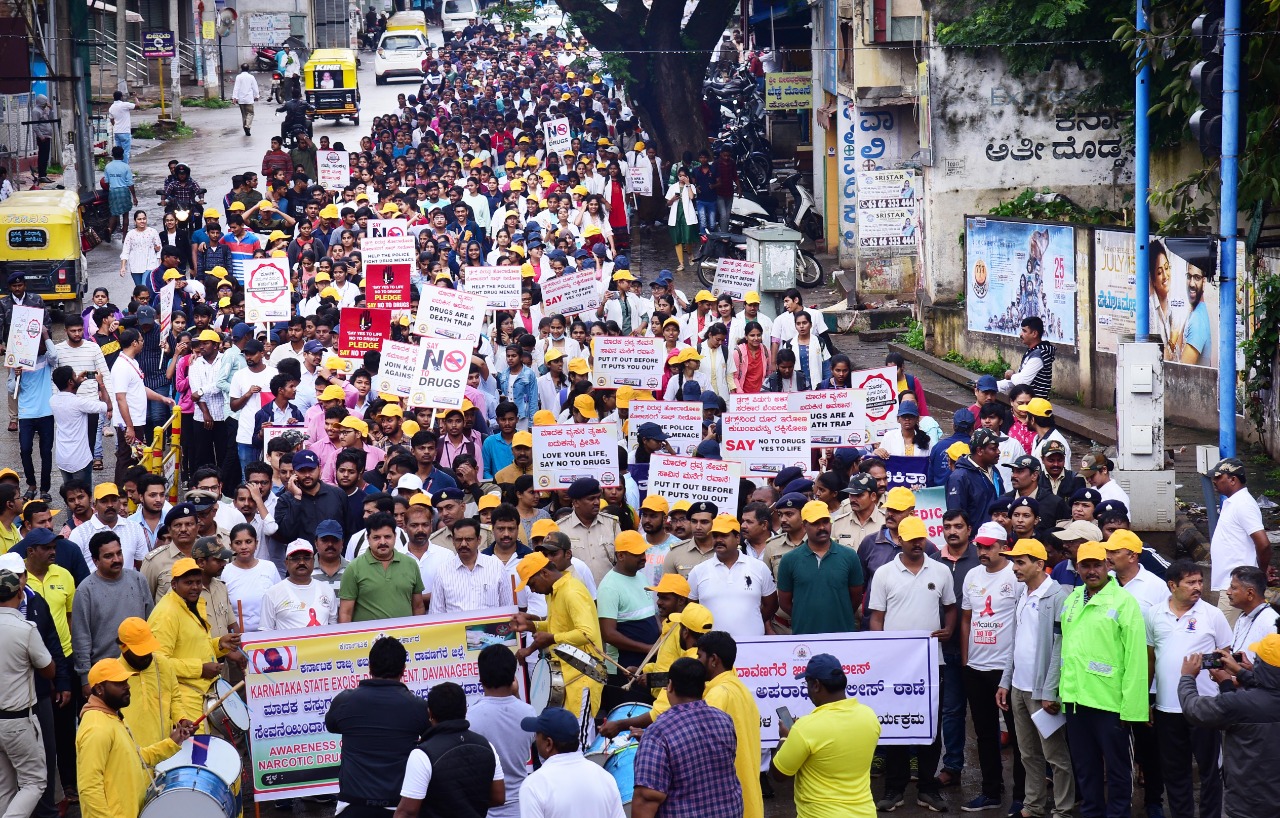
819	583
381	583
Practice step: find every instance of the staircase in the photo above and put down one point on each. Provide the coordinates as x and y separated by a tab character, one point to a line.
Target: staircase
107	68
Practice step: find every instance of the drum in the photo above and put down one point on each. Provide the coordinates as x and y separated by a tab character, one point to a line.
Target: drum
602	748
229	719
583	662
546	685
208	752
190	792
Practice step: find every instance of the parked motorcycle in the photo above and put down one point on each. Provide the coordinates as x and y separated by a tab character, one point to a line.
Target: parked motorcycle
809	272
276	92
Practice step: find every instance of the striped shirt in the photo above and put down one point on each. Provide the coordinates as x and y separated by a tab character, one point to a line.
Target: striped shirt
203	377
241	251
87	357
458	588
134	543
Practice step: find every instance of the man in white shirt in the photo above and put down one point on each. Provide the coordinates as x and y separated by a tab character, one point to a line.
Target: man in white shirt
298	601
1239	538
1255	618
248	386
784	326
73	452
988	606
210	401
129	396
567	785
453	758
245	93
1096	470
121	115
471	581
86	356
106	517
739	590
1183	625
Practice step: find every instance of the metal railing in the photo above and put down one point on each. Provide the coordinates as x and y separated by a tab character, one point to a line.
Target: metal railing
165	457
135	68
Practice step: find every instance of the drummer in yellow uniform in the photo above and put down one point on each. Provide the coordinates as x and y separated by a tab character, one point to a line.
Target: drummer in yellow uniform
181	625
571	620
112	769
154	689
672	597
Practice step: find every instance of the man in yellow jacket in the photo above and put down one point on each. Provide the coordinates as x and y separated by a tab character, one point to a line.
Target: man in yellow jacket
181	626
571	620
717	651
112	770
154	689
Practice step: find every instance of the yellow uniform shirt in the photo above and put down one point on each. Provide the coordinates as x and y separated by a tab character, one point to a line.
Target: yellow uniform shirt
58	589
153	700
727	692
186	640
666	655
111	769
572	620
660	702
8	537
829	753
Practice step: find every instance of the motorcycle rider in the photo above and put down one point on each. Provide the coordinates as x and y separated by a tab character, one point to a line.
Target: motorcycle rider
181	192
295	117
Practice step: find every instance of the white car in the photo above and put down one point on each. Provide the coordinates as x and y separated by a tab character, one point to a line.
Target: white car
456	15
399	54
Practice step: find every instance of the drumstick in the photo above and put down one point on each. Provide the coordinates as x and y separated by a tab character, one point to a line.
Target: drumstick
650	654
239	616
602	655
218	703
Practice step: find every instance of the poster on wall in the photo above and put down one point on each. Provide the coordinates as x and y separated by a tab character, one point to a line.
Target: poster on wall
1015	270
1182	300
889	213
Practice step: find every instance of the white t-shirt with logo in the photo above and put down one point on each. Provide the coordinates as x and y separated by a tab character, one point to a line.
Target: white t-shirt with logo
992	597
241	383
287	605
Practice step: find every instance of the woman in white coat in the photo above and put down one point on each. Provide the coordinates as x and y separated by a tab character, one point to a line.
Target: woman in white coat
907	440
682	219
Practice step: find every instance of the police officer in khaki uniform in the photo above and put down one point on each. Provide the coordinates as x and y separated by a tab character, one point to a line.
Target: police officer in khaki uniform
789	537
212	557
156	566
864	515
451	504
23	772
685	555
591	530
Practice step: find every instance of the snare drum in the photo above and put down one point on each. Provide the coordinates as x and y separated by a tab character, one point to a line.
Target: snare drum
583	662
229	719
210	752
546	685
190	792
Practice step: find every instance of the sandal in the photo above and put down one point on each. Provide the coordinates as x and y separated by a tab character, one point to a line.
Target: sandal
13	425
97	464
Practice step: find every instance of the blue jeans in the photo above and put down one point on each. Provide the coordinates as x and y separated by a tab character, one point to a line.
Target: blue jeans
138	280
706	215
953	712
125	140
248	453
28	428
724	207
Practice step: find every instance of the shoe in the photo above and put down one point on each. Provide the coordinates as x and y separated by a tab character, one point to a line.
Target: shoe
982	802
890	802
45	180
46	497
932	801
30	494
679	268
877	765
915	769
1015	810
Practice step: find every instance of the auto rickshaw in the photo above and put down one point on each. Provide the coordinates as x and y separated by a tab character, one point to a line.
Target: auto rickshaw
330	84
40	238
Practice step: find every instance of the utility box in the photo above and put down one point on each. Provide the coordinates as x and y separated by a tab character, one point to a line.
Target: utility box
1151	496
774	247
1139	406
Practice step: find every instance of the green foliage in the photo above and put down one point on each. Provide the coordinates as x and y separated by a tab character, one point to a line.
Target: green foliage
1042	205
512	14
997	367
1261	347
211	103
148	130
914	337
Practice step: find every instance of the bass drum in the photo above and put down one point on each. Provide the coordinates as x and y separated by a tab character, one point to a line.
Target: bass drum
190	792
546	685
618	755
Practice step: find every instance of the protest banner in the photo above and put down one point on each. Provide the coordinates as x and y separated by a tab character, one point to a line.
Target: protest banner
23	345
837	417
333	169
894	673
388	266
386	228
398	368
270	431
766	443
294	675
361	330
446	313
912	472
736	277
881	389
564	452
628	361
166	307
571	294
443	364
559	137
266	290
759	402
639	181
695	478
680	420
498	286
931	504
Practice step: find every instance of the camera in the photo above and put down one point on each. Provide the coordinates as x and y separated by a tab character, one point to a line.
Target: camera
1213	661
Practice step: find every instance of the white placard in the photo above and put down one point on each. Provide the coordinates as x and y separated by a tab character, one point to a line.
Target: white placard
880	387
446	313
641	182
680	419
166	306
759	402
386	228
628	361
398	369
736	277
564	452
270	431
266	290
694	479
25	327
498	286
443	364
571	294
766	443
388	250
894	673
559	137
837	417
333	169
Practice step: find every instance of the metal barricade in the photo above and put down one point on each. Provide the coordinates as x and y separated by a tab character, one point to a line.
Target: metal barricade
164	455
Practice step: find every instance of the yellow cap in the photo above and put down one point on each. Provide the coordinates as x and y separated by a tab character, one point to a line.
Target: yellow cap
544	417
751	297
814	511
623	396
578	366
212	213
475	163
542	528
565	97
218	271
591	231
694	617
487	501
526	271
1027	547
522	439
1268	649
900	498
236	207
1040	407
276	234
209	335
389	398
725	524
623	275
585	405
671	320
410	428
225	301
183	566
685	354
329	292
639	146
704	295
680	506
580	190
391	410
912	528
630	542
329	212
362	195
420	499
332	392
105	490
655	502
136	635
334	362
172	275
553	354
671	584
322	276
389	207
108	670
587	92
529	565
353	422
532	162
958	450
1124	538
1091	551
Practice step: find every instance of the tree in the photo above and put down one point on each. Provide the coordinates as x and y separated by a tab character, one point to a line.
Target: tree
661	65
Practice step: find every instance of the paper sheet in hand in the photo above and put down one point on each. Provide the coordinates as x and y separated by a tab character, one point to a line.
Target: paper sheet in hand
1048	723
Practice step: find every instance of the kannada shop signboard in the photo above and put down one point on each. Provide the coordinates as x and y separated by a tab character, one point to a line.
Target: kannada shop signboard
893	673
266	290
446	313
694	479
565	452
293	677
361	330
788	91
442	373
889	211
627	361
1017	270
766	443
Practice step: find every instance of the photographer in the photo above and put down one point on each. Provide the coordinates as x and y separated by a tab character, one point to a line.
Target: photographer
1247	594
1249	719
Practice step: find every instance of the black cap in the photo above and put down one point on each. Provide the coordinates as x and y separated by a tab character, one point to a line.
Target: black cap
1024	461
583	487
178	512
1086	496
795	501
1111	507
1026	502
703	507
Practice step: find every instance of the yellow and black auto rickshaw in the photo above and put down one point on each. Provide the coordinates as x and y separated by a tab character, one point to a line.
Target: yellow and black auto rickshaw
330	84
40	238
